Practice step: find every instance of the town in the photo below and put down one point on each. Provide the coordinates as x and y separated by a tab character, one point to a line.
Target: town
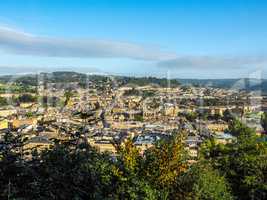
133	100
107	110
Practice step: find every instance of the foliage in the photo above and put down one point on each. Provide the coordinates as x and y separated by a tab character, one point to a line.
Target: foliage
191	116
142	81
243	162
135	92
264	121
227	115
164	163
27	98
236	128
68	94
75	170
131	92
12	170
3	101
138	118
129	157
201	181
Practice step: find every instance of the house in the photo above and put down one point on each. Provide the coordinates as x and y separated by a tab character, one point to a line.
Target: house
26	105
103	146
146	141
170	110
223	138
4	124
39	143
7	112
16	123
217	127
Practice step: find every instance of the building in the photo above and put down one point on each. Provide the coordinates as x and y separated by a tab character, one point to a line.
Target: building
16	123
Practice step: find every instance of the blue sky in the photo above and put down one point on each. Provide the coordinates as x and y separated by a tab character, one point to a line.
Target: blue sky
185	39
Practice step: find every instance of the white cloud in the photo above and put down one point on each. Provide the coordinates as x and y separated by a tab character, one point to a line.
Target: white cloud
17	42
212	62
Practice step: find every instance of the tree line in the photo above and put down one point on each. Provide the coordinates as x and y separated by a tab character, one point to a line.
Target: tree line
75	170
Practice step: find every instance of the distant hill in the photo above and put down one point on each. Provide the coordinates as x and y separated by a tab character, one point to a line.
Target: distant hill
241	84
68	76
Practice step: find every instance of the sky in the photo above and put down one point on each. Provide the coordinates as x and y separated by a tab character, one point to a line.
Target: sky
176	39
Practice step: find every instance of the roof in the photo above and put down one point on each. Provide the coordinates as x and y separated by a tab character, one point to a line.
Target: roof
225	136
39	139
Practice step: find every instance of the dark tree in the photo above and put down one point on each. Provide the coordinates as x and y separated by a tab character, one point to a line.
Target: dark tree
264	121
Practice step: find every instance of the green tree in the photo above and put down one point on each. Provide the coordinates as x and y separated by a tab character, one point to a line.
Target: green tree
164	163
191	116
13	173
131	184
75	174
264	121
200	182
68	94
243	162
138	118
3	101
237	128
27	98
227	115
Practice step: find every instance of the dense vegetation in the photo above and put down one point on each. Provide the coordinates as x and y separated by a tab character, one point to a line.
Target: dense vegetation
3	101
16	88
135	92
23	82
143	81
264	121
23	98
243	163
75	170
